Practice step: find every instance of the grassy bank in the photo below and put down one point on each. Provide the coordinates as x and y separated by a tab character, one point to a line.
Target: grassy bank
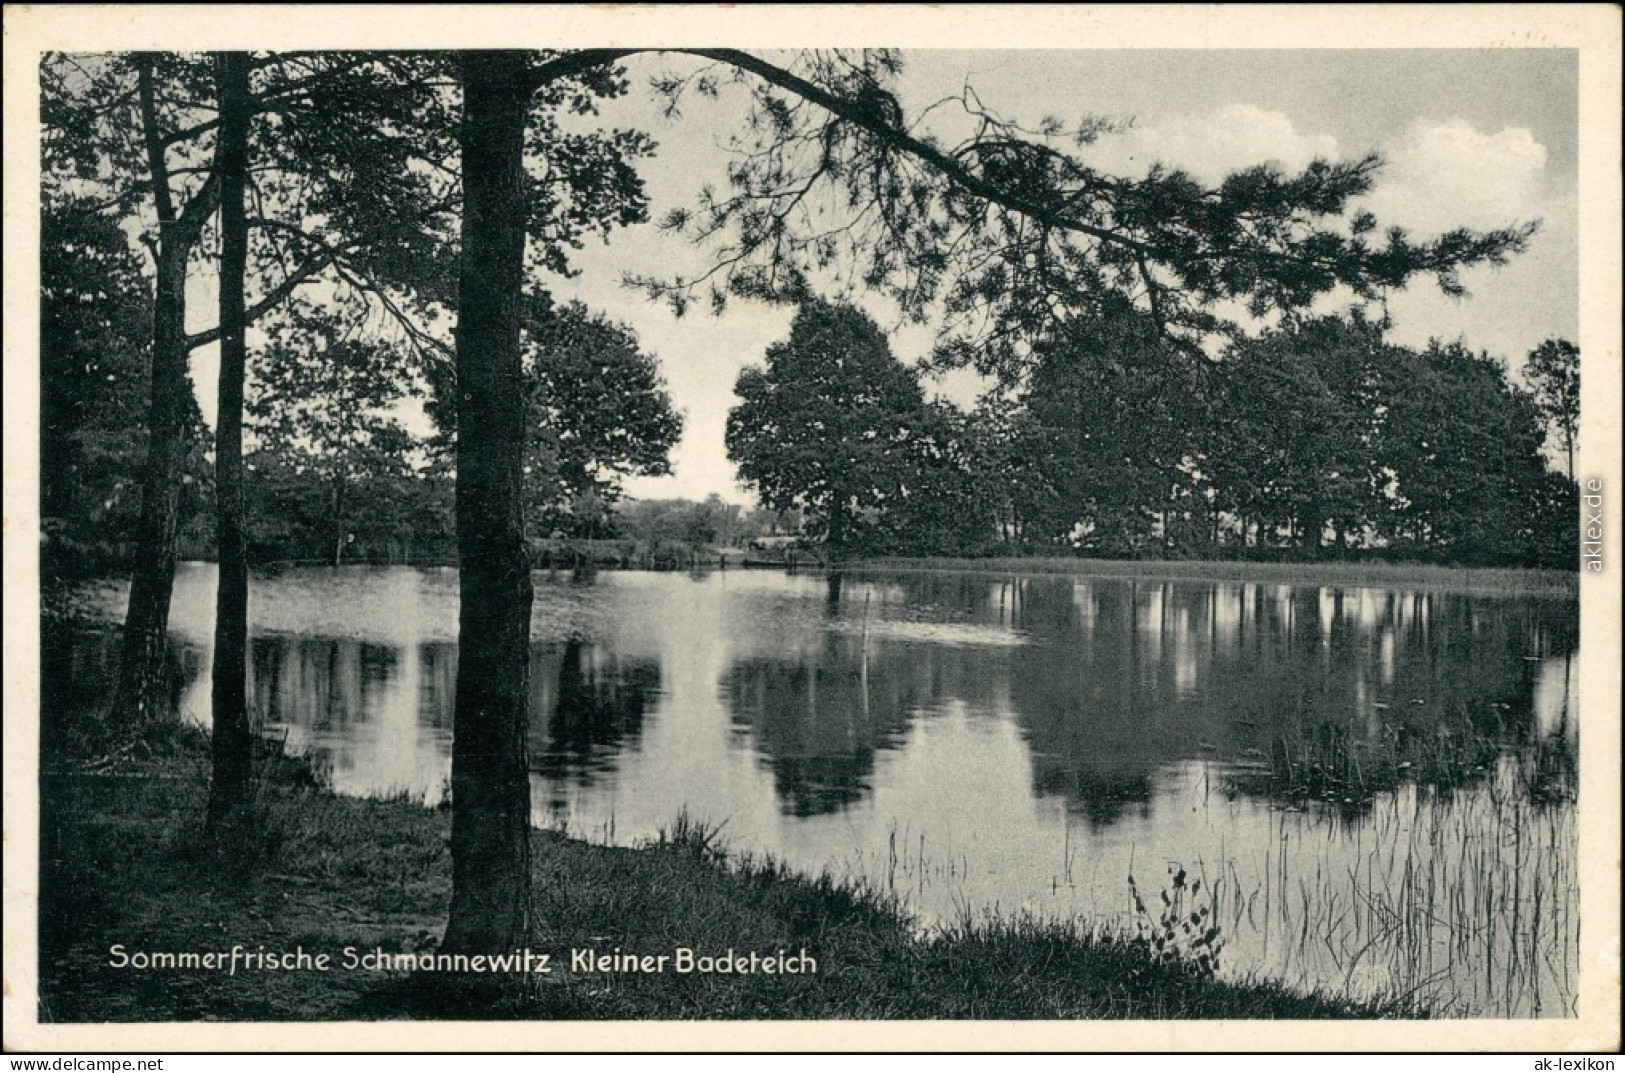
122	863
1396	575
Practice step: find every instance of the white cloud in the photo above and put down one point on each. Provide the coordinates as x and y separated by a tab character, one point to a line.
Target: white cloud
1214	144
1509	310
1443	175
1438	175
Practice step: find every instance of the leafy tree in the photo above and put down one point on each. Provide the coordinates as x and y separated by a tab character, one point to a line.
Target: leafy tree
825	426
1107	424
683	521
1462	446
95	316
1008	461
1552	505
350	178
139	132
946	504
1553	373
323	190
597	412
324	410
1292	421
404	517
598	405
112	114
723	521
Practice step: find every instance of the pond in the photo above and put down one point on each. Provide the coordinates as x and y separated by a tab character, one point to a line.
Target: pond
1376	786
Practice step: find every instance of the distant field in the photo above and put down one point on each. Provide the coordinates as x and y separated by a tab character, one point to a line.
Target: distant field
1407	575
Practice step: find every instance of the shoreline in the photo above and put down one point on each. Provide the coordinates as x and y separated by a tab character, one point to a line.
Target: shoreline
123	865
1469	579
1530	581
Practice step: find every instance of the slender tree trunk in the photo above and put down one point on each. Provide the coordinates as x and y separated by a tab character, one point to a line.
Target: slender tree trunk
142	696
1312	525
233	738
338	521
490	780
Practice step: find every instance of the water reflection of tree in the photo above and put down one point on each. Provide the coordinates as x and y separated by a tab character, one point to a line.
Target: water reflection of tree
1549	767
75	666
320	683
587	705
980	597
437	684
1451	696
1089	702
818	721
326	684
1299	691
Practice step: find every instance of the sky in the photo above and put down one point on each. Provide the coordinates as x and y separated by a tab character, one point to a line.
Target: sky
1471	137
1478	138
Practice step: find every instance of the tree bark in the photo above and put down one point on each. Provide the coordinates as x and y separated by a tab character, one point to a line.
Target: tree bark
143	695
1312	525
338	522
232	737
835	536
490	830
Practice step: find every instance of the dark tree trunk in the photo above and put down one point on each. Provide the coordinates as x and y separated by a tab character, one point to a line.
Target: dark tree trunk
143	694
490	781
835	537
233	738
1312	525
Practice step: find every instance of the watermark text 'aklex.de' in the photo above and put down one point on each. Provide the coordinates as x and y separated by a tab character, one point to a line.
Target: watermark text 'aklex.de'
1591	525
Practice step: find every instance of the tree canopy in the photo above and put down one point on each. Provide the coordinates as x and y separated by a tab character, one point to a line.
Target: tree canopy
1553	372
828	425
598	412
95	317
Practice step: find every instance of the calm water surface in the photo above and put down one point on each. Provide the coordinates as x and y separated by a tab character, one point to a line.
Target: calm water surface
1376	784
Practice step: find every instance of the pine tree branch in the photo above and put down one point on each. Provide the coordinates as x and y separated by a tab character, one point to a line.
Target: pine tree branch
300	275
855	113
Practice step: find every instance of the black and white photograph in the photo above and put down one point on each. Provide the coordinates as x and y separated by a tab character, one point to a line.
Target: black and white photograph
828	524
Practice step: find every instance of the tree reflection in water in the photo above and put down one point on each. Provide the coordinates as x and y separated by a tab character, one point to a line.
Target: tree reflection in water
586	706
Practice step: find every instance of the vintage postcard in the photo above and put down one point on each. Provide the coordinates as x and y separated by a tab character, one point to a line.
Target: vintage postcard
829	527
